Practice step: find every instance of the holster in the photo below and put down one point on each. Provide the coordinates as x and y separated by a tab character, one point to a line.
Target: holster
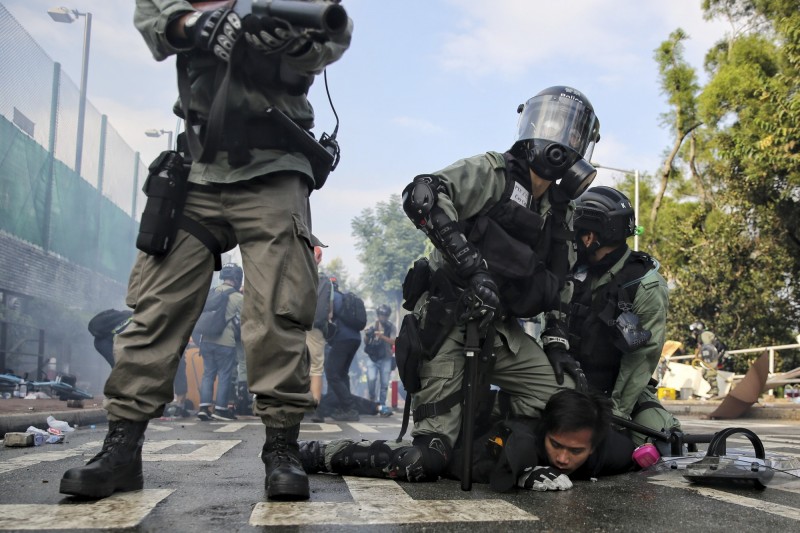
165	188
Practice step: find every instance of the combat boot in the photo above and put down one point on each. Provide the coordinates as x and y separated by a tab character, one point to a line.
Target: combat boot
285	478
117	468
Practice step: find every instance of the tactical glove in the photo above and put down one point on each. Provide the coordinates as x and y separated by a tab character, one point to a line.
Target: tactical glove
216	31
555	347
271	36
479	301
542	478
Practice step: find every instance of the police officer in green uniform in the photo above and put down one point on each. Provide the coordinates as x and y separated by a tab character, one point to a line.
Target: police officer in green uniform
254	194
618	313
501	225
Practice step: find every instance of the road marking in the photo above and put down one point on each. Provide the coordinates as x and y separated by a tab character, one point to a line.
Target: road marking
321	428
370	507
208	450
122	510
362	428
727	497
25	461
230	427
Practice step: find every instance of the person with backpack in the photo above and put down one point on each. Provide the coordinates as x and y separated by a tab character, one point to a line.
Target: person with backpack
618	313
217	333
349	318
379	344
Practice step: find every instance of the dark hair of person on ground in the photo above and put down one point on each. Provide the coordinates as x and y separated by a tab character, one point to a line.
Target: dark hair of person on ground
569	410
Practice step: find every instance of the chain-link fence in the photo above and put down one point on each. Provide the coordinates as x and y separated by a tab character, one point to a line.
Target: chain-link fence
89	218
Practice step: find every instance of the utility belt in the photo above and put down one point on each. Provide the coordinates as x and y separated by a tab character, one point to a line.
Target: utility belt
258	134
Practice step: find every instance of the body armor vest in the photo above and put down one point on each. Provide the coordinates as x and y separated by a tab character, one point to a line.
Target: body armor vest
526	253
592	334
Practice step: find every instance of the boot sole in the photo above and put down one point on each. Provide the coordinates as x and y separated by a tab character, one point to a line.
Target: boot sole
97	491
287	491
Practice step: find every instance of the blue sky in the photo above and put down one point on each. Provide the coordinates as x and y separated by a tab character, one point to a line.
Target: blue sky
425	82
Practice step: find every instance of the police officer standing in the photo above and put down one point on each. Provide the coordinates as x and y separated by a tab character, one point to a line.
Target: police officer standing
618	314
252	193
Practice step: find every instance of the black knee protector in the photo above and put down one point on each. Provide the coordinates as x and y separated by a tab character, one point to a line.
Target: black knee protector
362	459
426	460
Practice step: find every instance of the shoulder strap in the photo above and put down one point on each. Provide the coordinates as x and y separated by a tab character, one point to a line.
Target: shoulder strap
205	150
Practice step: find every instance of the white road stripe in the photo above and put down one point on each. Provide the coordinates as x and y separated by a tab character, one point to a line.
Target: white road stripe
209	450
370	508
24	461
362	428
727	497
122	510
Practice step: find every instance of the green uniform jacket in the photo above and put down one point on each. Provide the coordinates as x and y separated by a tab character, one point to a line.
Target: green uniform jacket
474	185
651	305
151	19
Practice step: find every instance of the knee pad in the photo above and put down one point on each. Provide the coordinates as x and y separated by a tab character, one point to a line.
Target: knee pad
366	459
425	460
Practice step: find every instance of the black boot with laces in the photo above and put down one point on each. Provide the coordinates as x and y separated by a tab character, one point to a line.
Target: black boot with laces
285	478
117	468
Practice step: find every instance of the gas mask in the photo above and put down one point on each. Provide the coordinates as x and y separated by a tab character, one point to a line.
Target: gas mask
558	130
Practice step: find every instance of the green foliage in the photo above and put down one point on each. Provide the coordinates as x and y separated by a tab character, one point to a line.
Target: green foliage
388	244
728	238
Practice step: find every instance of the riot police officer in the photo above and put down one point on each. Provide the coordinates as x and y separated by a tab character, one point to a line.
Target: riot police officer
618	313
248	185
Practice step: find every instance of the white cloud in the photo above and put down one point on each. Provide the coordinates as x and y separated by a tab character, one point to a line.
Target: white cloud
417	124
510	36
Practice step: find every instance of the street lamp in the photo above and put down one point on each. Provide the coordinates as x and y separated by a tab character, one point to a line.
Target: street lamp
159	133
635	197
66	15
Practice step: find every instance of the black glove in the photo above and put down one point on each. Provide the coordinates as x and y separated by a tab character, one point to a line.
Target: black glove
271	36
555	347
479	301
215	31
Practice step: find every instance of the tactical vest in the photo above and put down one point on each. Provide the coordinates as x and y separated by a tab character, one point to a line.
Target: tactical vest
592	334
526	253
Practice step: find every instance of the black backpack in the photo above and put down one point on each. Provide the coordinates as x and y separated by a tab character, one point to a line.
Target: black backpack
212	320
353	312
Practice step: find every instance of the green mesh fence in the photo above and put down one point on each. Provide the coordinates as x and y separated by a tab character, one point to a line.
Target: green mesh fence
88	218
81	224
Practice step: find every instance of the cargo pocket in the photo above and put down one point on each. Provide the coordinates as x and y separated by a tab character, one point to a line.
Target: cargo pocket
296	294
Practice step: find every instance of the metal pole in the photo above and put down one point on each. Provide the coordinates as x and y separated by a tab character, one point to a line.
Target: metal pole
87	33
636	208
169	139
51	155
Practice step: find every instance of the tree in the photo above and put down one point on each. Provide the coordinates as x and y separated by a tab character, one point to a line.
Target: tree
730	246
679	83
336	269
388	245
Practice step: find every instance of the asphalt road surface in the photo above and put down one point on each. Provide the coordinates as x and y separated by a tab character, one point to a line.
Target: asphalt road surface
207	477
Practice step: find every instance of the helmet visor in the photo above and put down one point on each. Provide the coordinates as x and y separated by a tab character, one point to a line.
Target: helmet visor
561	118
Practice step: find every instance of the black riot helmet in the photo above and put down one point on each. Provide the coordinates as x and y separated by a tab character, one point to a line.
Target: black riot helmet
557	132
383	310
233	272
607	212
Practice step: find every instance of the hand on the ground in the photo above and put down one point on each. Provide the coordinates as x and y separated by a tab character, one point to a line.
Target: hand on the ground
542	478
